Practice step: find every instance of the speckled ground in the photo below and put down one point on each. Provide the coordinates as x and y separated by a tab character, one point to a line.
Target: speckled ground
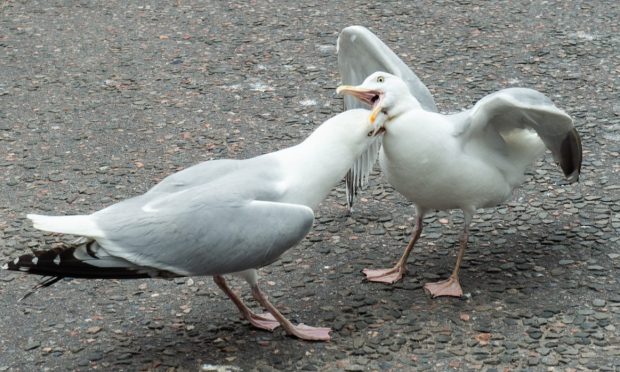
100	100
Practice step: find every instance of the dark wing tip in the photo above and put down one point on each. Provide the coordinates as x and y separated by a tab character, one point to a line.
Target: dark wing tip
81	261
60	262
45	282
351	189
22	263
570	156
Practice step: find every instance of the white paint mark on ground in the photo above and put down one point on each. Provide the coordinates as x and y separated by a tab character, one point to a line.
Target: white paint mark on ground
261	87
308	102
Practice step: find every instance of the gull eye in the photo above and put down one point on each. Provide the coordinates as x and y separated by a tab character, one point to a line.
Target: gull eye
380	79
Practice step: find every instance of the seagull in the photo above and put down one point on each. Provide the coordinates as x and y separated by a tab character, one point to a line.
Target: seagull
360	53
214	218
468	160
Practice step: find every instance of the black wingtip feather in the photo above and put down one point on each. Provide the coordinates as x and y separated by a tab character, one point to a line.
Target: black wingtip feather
64	261
571	156
351	189
45	282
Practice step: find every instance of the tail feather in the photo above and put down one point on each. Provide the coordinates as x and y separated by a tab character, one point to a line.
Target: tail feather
82	259
82	225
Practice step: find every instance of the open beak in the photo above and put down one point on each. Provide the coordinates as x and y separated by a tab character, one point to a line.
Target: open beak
379	123
372	97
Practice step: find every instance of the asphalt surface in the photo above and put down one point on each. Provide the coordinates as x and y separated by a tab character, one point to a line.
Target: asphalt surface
100	100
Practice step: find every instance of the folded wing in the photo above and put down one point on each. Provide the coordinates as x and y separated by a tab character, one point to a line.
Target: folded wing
210	229
232	224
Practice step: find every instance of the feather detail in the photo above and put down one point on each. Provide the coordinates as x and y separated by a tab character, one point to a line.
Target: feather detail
358	175
82	225
83	258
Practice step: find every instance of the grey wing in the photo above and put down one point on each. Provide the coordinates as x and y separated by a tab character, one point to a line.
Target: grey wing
204	230
520	108
360	53
201	173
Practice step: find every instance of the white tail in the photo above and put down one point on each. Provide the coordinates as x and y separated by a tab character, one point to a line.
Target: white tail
82	225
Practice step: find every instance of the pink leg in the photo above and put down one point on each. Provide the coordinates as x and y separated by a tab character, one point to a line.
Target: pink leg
451	286
396	273
301	331
264	321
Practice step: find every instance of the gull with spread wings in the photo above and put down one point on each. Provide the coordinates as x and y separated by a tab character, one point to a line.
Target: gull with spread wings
468	160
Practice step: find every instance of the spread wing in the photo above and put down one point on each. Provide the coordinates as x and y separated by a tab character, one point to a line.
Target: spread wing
360	53
523	108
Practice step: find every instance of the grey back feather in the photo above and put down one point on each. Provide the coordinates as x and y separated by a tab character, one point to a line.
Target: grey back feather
224	225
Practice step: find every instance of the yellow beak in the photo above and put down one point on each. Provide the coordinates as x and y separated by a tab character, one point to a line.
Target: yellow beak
368	96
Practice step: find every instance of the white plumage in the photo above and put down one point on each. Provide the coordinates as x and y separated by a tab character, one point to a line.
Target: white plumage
82	225
215	218
470	160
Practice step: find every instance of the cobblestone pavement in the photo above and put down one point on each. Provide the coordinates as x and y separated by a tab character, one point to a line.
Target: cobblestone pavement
100	100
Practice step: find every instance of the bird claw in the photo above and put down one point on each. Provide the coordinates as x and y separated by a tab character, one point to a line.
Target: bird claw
264	321
309	333
450	287
388	276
